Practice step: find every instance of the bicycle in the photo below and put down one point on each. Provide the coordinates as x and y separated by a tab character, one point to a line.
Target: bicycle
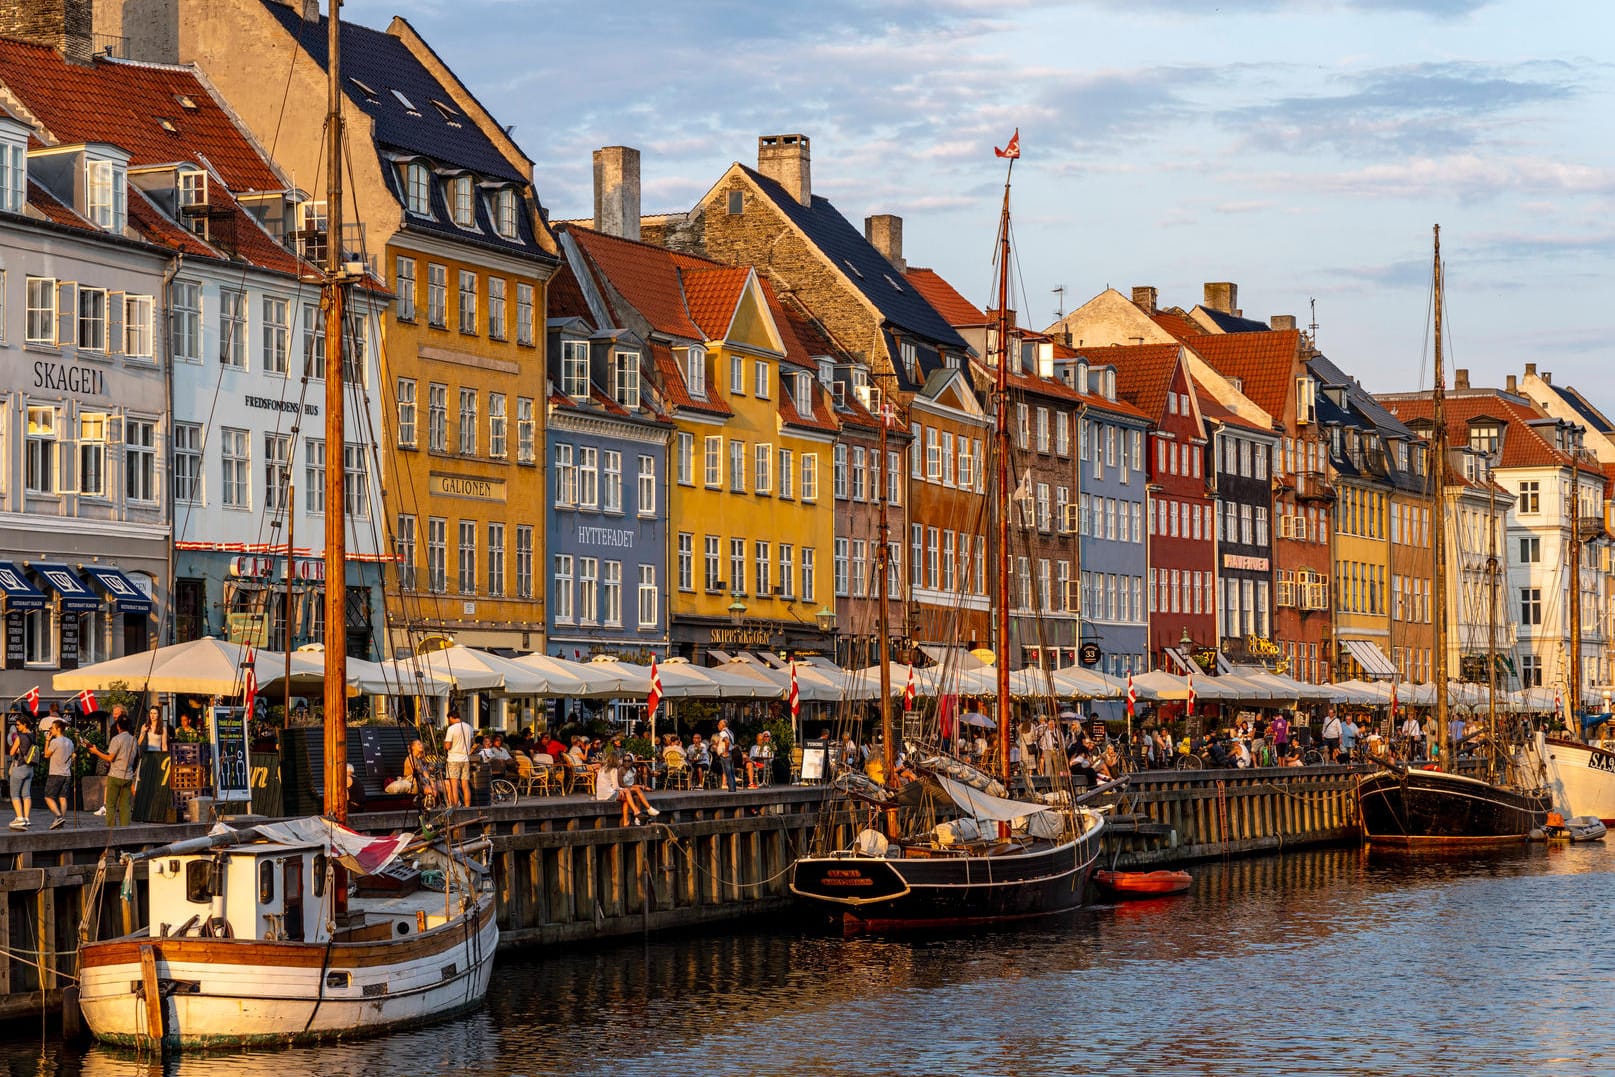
1190	761
1312	758
501	791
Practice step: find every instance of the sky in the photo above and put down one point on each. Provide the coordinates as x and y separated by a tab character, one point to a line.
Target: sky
1300	148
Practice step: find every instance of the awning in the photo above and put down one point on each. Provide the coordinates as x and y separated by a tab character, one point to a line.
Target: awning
19	593
75	596
1368	655
120	588
1184	663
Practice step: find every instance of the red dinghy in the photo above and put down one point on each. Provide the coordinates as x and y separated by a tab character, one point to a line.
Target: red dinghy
1129	884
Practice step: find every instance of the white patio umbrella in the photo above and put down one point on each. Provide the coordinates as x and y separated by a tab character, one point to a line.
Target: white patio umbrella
474	670
210	667
864	684
1088	683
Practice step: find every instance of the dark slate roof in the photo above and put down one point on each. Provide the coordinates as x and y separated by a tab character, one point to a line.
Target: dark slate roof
860	263
1361	399
1581	406
1232	323
385	64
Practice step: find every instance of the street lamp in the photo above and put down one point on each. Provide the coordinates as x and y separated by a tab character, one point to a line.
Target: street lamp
826	618
737	611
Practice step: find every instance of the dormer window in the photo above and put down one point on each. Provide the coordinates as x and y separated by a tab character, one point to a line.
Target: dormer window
192	189
911	361
1110	383
802	397
575	369
1081	385
104	194
827	373
450	115
418	188
460	204
406	102
695	371
625	379
13	166
504	212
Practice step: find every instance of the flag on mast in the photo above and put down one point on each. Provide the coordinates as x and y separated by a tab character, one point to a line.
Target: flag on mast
654	700
1393	706
908	690
1189	710
249	693
86	700
1013	149
796	699
1132	696
31	697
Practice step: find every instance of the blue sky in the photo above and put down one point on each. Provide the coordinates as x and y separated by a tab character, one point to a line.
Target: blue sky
1301	148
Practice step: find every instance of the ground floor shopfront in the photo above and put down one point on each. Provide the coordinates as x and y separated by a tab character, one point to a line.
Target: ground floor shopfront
695	638
244	597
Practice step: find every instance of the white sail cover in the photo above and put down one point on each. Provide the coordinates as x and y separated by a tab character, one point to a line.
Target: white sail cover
360	853
982	806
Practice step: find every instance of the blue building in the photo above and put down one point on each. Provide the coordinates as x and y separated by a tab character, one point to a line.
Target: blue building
606	521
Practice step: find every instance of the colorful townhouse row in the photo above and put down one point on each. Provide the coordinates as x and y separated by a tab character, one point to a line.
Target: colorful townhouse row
683	434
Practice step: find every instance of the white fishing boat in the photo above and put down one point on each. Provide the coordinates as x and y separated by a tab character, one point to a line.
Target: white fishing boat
1581	777
253	940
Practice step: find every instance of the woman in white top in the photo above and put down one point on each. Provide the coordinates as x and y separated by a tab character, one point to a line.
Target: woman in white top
609	784
153	735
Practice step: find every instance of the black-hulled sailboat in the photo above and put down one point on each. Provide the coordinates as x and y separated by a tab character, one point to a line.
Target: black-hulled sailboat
955	847
1410	807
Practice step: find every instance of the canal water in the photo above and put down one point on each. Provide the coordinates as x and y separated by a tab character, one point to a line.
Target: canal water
1318	962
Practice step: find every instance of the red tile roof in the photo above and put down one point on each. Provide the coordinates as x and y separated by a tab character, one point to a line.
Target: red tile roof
1523	445
647	278
936	291
564	297
711	295
670	381
149	221
53	209
1212	411
121	103
1264	364
1143	372
1178	324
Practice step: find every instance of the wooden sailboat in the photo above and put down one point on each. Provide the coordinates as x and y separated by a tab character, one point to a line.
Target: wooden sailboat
252	936
1407	807
956	847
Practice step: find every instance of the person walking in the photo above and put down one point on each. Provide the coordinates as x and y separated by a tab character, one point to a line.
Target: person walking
457	742
59	752
1331	736
22	752
121	754
723	742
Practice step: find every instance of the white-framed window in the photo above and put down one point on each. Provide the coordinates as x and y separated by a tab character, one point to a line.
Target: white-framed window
314	476
406	412
313	342
277	470
809	575
188	463
712	456
841	567
504	212
184	323
810	476
787	569
356	481
684	458
40	322
526	452
233	328
695	371
737	566
92	454
737	375
437	417
838	458
235	451
686	561
524	314
650	597
404	285
611	482
92	328
588	590
762	468
764	568
575	369
524	560
611	592
437	295
418	188
496	308
787	474
737	466
625	379
468	422
496	559
437	554
39	637
710	562
761	381
404	550
496	425
647	486
104	185
13	176
588	477
277	333
462	206
468	302
566	475
467	563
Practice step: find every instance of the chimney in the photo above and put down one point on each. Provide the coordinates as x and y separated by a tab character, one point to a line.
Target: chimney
616	191
1530	369
786	160
1513	384
1460	378
885	233
1145	297
1547	377
311	10
1222	296
67	26
1282	321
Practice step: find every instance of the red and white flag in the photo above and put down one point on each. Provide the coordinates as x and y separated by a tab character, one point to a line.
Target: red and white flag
796	698
654	700
1014	147
1393	705
1189	710
908	690
1132	695
249	688
31	697
86	700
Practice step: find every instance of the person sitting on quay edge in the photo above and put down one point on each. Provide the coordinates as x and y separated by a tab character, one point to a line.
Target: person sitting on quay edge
612	783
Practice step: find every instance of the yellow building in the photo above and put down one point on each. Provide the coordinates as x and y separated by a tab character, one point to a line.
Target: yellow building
1362	574
752	521
447	215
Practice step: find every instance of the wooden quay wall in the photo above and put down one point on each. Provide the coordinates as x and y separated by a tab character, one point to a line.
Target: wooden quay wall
565	871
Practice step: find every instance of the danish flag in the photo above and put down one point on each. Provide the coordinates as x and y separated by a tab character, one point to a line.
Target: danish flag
1189	711
1132	695
908	690
1014	147
87	701
796	699
654	700
1393	704
31	697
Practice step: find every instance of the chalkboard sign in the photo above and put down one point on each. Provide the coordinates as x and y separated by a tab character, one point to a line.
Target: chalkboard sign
14	639
69	651
232	774
815	760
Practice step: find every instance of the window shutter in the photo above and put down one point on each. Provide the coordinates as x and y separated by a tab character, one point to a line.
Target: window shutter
67	313
115	301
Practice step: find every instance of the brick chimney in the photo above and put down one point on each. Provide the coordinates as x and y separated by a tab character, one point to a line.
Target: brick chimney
616	191
786	160
1513	384
1460	378
1547	377
885	233
68	26
1222	296
1282	321
1145	297
1530	369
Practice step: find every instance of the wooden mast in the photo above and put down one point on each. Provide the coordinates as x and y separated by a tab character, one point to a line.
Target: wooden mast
286	613
1491	607
1002	493
1438	519
1573	690
883	653
333	300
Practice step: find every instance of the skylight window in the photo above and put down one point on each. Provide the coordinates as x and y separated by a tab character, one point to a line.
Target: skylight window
186	102
406	102
450	115
892	282
167	125
848	263
367	91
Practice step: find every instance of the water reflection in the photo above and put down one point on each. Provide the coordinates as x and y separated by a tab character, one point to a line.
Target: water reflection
1323	962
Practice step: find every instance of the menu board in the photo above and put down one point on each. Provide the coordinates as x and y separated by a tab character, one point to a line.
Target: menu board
14	639
232	770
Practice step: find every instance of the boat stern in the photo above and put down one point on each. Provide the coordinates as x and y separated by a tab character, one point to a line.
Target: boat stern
847	881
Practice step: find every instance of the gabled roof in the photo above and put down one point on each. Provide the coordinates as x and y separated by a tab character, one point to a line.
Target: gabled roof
711	295
1177	323
122	103
1595	419
670	381
1360	399
564	297
1143	372
945	298
1264	363
1212	411
1523	443
647	278
860	264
